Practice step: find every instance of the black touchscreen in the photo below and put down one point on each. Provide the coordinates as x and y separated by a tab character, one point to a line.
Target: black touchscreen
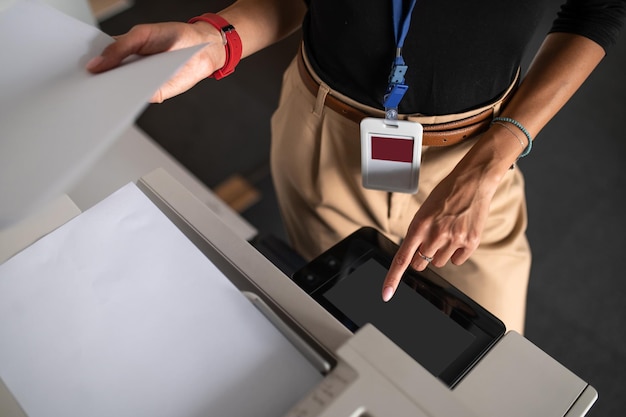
443	329
411	321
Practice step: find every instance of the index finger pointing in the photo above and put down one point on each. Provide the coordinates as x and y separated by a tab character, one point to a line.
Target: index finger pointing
400	263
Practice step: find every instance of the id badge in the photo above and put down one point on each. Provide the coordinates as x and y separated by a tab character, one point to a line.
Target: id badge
391	154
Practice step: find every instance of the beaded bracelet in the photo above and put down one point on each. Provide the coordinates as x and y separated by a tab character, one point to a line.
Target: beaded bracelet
517	124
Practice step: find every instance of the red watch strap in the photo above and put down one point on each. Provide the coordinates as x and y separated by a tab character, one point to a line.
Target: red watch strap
233	42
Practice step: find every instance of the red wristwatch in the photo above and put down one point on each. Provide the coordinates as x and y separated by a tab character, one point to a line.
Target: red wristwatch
233	42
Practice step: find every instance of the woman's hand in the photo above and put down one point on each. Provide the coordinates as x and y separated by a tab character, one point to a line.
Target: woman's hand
446	228
449	224
151	39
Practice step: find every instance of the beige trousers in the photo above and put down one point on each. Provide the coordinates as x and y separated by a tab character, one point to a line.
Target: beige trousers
315	158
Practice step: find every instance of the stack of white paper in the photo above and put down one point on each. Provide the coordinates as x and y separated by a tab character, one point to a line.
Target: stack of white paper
56	118
117	313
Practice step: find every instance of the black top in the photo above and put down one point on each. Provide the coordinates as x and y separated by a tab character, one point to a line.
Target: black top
461	54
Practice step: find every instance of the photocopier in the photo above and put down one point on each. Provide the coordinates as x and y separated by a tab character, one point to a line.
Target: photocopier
474	369
117	340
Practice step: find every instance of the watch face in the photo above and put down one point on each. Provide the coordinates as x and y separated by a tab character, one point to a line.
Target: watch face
436	324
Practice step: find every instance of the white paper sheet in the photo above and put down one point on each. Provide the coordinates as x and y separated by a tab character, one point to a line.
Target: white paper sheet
117	313
55	117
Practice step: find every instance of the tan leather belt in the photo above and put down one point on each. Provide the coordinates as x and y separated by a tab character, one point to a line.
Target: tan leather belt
438	134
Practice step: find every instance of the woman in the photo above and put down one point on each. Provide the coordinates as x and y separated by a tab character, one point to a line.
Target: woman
455	65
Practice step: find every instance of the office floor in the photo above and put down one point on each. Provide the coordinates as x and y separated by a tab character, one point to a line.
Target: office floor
575	183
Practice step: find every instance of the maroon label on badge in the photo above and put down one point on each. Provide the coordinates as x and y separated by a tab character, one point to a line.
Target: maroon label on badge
392	149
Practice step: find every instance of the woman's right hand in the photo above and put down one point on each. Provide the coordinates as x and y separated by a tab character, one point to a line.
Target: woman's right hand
148	39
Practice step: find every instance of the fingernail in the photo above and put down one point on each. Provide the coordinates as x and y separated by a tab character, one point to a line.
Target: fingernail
387	293
94	62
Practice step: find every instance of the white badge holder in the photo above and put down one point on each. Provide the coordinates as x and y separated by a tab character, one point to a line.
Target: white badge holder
391	154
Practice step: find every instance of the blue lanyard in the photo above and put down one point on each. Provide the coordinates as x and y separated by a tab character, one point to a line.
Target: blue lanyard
401	32
396	89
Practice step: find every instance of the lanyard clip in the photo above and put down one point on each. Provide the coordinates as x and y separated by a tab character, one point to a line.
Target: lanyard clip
394	95
398	70
391	116
395	92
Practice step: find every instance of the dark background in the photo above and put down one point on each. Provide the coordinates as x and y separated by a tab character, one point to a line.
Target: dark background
575	182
